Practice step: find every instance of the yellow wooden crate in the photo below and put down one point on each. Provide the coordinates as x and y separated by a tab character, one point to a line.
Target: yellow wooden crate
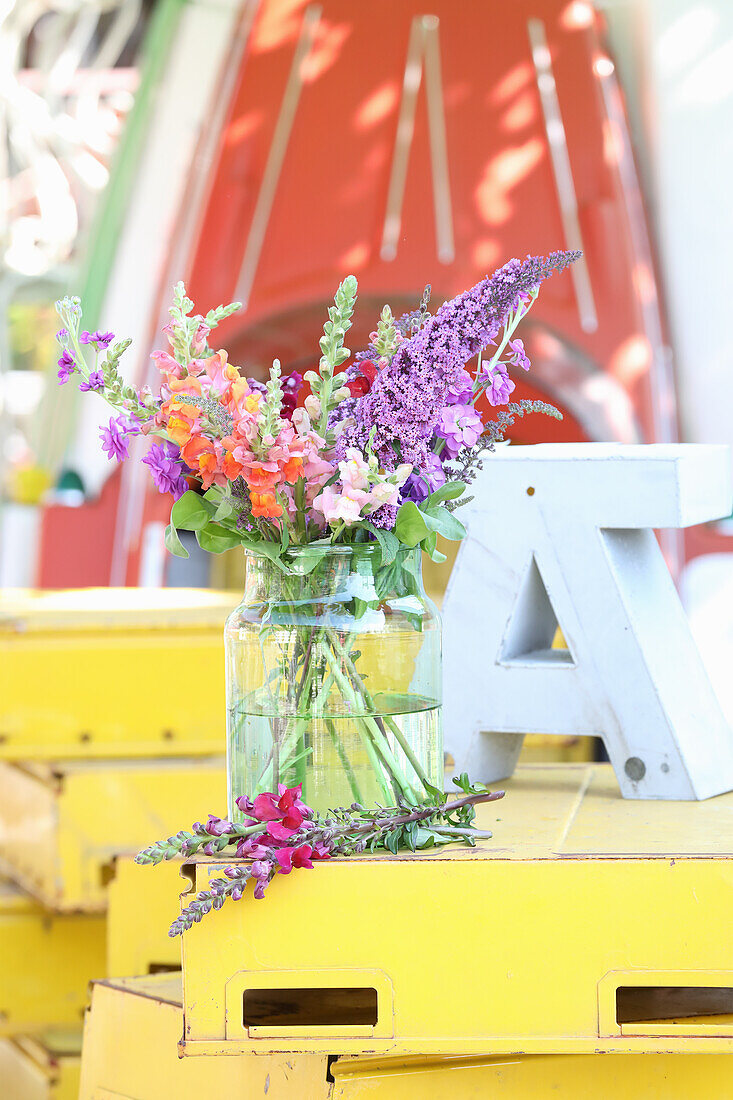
535	1077
579	898
108	672
47	963
142	902
41	1067
130	1038
62	824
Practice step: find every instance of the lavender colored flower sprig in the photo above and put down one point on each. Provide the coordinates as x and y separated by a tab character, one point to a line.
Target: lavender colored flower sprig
282	834
408	395
399	414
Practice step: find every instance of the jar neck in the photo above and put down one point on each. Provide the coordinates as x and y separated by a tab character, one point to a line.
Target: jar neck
336	573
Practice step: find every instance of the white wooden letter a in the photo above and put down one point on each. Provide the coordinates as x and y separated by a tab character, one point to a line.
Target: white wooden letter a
564	534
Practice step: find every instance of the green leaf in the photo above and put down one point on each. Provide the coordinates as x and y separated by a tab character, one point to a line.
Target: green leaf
393	841
173	544
445	523
439	797
216	539
389	544
307	559
450	491
430	546
191	512
271	550
411	527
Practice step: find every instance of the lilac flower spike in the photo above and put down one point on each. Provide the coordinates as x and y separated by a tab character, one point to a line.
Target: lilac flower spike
166	469
408	395
114	437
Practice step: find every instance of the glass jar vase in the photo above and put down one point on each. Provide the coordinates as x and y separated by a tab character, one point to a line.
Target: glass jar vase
333	674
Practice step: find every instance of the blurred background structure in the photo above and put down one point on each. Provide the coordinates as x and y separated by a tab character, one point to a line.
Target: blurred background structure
261	148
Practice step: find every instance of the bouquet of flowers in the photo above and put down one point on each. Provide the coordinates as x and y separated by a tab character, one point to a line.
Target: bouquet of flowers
368	470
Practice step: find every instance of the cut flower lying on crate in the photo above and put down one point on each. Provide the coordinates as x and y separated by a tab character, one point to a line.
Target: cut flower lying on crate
281	833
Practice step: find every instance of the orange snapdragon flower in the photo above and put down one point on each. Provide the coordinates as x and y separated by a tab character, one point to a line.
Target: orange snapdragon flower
214	465
292	469
259	477
265	504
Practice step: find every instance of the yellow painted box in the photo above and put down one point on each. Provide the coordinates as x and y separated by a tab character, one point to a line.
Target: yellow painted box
41	1067
141	904
62	824
588	923
535	1077
48	961
88	673
130	1050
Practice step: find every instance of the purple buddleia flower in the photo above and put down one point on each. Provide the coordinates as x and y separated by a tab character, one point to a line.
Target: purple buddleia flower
519	356
115	436
62	335
67	366
99	339
421	483
460	426
408	396
166	469
460	391
95	382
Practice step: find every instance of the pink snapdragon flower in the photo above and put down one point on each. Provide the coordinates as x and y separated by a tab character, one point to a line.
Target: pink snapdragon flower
354	470
341	506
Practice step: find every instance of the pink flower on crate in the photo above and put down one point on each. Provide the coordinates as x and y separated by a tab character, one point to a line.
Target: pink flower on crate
284	812
217	826
294	857
261	868
250	849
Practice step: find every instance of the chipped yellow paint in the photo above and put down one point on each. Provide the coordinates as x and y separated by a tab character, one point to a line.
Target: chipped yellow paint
576	885
101	656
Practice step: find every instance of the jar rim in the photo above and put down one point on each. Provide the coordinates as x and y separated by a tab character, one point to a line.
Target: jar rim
337	550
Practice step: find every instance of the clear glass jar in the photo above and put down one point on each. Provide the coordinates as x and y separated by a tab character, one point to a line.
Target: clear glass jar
333	671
